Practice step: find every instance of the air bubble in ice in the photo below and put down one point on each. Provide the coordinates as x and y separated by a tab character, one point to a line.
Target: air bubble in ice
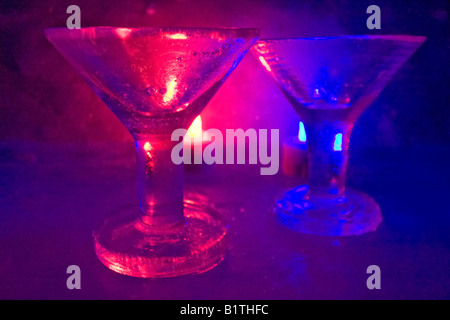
150	90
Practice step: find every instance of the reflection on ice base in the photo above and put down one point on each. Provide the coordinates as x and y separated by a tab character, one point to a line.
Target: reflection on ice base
355	214
195	246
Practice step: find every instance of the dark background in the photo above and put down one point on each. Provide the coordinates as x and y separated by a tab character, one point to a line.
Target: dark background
53	193
42	98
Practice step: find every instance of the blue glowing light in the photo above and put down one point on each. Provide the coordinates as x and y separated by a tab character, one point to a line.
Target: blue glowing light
337	146
301	132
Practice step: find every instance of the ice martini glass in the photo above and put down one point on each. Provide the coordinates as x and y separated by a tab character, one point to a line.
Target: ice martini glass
330	81
156	80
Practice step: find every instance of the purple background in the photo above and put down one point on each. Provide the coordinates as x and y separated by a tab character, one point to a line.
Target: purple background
44	99
66	162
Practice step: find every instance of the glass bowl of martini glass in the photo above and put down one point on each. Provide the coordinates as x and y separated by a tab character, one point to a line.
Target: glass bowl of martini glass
156	80
330	81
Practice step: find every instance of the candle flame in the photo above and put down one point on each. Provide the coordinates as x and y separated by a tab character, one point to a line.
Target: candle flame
337	146
195	130
301	132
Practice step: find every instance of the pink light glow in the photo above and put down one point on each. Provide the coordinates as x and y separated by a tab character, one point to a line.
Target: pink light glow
265	64
216	35
123	33
177	36
147	146
171	90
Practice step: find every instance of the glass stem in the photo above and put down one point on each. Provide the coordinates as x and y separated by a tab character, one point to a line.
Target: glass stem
160	183
327	157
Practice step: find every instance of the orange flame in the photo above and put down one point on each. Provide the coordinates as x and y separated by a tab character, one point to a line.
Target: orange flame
195	130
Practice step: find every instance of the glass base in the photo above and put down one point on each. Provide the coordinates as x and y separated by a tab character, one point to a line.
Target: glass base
356	214
124	245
